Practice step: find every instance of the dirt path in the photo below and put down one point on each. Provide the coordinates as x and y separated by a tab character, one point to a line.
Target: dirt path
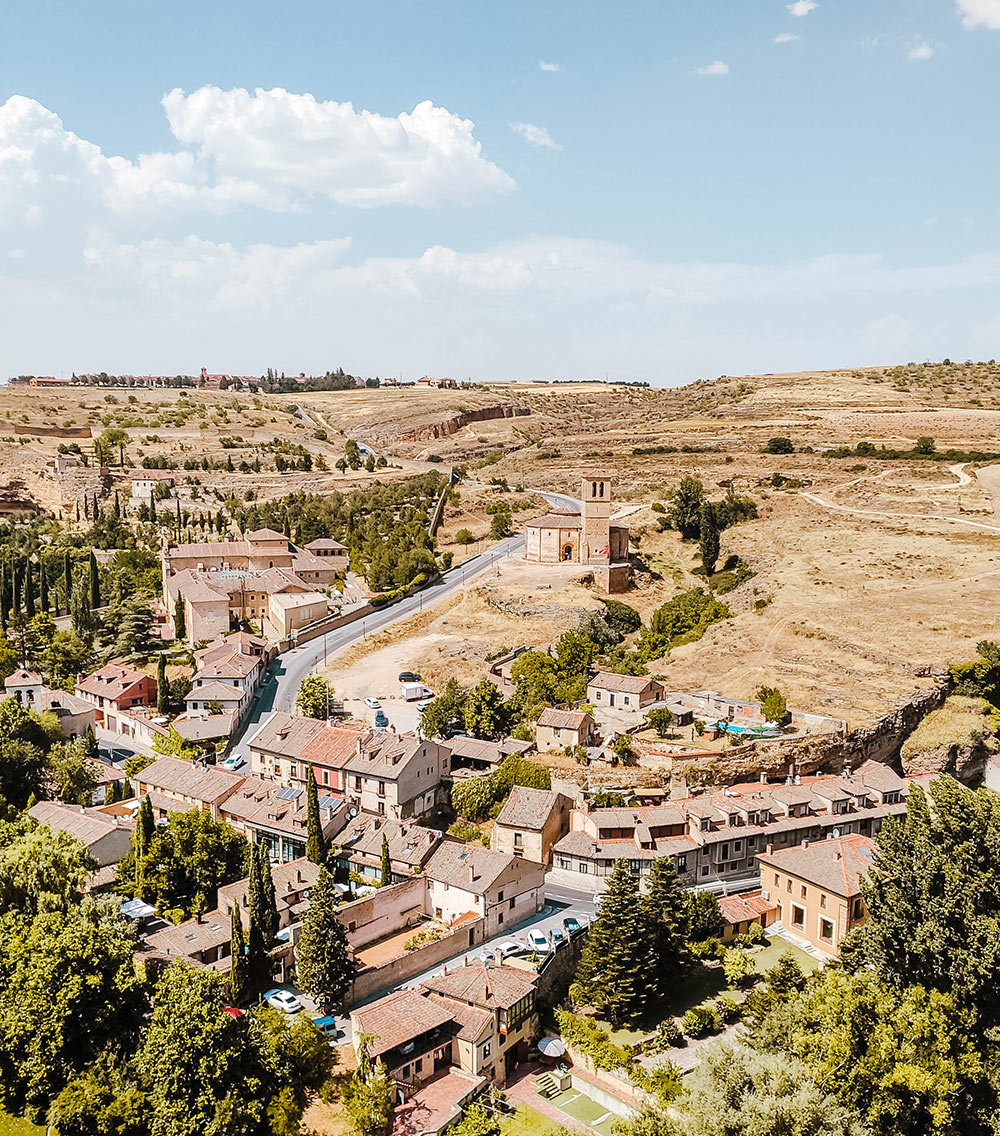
817	500
989	478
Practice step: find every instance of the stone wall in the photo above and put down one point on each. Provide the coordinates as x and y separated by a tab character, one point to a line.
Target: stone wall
877	741
54	431
452	425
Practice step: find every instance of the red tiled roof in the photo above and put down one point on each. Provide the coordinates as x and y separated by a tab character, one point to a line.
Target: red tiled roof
836	865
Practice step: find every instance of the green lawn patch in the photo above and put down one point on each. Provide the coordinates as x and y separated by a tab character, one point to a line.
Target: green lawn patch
14	1126
529	1122
763	960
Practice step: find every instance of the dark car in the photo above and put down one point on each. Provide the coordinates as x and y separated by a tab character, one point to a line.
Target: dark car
409	676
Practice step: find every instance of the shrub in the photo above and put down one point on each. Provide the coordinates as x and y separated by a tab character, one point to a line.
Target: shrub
585	1035
736	966
701	1020
780	445
464	536
729	1011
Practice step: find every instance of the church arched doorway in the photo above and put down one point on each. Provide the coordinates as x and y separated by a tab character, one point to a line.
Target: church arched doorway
567	552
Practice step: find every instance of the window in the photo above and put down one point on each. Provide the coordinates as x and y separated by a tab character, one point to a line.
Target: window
564	863
487	1050
776	880
822	899
737	847
682	863
704	869
803	892
499	897
858	909
518	840
500	918
826	930
798	916
724	854
584	867
418	1065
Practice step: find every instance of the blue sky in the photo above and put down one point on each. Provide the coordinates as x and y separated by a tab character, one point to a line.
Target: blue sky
663	191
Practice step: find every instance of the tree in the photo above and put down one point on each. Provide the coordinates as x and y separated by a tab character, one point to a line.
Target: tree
24	746
464	536
132	625
237	958
43	587
661	720
477	1120
683	511
501	521
736	966
385	879
613	973
187	861
621	616
82	613
90	746
323	959
263	908
772	704
624	751
704	918
442	715
94	580
315	841
162	686
69	991
925	445
369	1094
314	697
352	453
665	912
180	620
74	772
41	870
708	538
780	445
734	1089
68	574
486	714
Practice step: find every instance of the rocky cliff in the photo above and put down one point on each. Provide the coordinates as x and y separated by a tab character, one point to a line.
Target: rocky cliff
467	417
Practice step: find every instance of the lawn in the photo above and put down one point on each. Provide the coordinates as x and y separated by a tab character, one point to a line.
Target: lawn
14	1126
528	1122
765	959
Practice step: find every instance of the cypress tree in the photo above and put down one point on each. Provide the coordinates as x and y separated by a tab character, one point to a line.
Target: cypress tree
386	877
109	793
43	587
180	622
152	509
315	844
237	959
323	960
29	590
708	537
15	589
96	509
142	836
68	575
95	581
613	975
268	902
162	689
78	512
90	747
117	507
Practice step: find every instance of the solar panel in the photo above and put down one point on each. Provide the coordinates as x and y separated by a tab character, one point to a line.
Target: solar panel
327	802
289	793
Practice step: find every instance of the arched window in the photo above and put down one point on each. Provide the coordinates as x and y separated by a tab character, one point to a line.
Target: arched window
593	489
602	489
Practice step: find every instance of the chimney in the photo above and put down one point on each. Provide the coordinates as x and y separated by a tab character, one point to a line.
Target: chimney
498	957
763	778
472	873
805	843
770	847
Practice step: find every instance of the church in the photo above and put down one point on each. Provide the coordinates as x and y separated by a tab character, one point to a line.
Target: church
586	537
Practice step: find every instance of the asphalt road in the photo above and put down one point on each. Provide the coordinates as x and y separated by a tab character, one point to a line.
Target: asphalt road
292	667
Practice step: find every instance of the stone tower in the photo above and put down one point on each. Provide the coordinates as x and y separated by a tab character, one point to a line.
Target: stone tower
595	536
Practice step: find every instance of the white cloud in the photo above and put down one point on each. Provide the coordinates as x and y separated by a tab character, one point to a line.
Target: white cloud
919	51
785	37
980	13
543	66
535	135
270	149
716	68
16	254
802	7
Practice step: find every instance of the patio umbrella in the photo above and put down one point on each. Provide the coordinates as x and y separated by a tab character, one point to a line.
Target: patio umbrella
551	1047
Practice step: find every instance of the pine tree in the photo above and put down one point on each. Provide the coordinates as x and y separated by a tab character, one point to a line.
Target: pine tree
162	687
95	580
315	843
613	975
708	537
386	877
666	912
323	959
43	587
237	959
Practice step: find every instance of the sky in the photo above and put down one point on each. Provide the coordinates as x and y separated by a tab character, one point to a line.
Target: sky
658	191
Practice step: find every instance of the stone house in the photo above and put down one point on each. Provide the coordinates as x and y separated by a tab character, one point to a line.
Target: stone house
557	729
501	888
531	822
623	692
75	715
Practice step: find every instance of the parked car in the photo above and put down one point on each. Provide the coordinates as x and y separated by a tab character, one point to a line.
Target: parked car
327	1026
423	704
557	936
510	948
372	703
574	923
381	721
409	676
283	1000
538	941
234	761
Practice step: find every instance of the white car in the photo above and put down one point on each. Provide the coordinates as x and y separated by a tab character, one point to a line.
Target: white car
373	703
538	941
423	704
234	761
283	1000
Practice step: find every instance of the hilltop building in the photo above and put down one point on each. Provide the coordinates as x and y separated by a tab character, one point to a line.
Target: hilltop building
587	537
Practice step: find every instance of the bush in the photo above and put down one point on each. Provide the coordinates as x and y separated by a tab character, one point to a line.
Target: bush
464	536
736	966
729	1011
780	445
666	1037
701	1020
585	1035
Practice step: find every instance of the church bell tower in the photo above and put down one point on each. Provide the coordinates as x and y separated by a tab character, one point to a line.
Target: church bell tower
595	537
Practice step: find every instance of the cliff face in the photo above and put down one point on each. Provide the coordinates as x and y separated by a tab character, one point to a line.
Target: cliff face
880	740
467	417
958	739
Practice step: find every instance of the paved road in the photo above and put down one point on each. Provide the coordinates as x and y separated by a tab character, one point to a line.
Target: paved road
292	667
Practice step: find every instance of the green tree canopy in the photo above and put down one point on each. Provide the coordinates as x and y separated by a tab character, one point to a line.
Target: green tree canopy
315	697
323	959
